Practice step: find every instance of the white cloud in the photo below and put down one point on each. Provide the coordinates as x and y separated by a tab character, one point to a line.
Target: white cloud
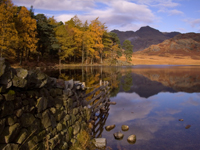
121	13
181	29
171	12
193	22
175	12
58	4
158	3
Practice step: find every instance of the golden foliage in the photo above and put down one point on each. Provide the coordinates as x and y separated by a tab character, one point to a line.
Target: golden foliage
8	32
26	27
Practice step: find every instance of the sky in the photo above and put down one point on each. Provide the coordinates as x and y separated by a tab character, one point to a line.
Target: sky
124	15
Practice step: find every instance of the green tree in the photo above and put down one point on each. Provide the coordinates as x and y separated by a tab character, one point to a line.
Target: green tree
114	38
47	43
128	49
115	51
107	42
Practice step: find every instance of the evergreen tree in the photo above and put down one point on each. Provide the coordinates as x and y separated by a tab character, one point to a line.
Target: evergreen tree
128	49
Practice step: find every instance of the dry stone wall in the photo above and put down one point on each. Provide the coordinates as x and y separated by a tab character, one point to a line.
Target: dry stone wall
39	112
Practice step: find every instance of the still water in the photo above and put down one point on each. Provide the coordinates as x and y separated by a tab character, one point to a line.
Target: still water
150	100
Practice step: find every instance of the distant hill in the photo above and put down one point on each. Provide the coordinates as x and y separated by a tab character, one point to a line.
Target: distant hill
182	45
144	37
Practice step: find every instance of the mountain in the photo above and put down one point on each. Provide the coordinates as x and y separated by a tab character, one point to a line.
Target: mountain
144	37
181	45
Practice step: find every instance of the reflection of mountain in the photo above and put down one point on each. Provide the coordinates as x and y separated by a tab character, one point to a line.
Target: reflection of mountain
184	79
144	86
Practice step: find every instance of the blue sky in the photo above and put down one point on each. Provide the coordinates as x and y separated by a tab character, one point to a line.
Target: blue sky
125	15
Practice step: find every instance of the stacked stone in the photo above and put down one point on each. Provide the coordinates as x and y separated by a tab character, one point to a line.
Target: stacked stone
39	112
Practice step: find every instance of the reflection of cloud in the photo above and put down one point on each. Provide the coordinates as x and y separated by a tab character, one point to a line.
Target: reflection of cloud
168	111
144	129
130	107
180	94
191	101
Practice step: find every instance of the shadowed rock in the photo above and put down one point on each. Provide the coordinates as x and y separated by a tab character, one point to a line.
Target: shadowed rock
118	135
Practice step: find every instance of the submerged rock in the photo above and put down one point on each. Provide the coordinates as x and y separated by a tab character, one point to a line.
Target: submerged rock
118	135
112	103
110	127
100	142
125	128
180	119
188	126
131	139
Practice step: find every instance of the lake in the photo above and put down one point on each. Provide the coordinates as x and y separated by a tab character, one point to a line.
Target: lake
150	100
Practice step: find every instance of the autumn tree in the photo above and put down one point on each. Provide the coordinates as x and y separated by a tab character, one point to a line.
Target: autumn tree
128	49
26	28
97	29
8	32
75	25
65	40
88	43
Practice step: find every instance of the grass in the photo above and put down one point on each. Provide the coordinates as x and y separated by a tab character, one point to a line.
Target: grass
83	142
141	59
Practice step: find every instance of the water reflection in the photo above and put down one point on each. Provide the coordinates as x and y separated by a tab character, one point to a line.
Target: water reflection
150	101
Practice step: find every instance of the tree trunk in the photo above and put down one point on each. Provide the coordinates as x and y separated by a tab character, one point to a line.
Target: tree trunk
91	60
86	57
83	74
83	55
101	58
38	58
26	54
59	57
21	57
2	45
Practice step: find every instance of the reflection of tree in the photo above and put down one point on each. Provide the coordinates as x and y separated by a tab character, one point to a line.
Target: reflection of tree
92	75
113	76
127	83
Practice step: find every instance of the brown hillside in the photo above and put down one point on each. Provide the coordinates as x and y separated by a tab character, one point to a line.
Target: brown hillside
183	49
181	45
